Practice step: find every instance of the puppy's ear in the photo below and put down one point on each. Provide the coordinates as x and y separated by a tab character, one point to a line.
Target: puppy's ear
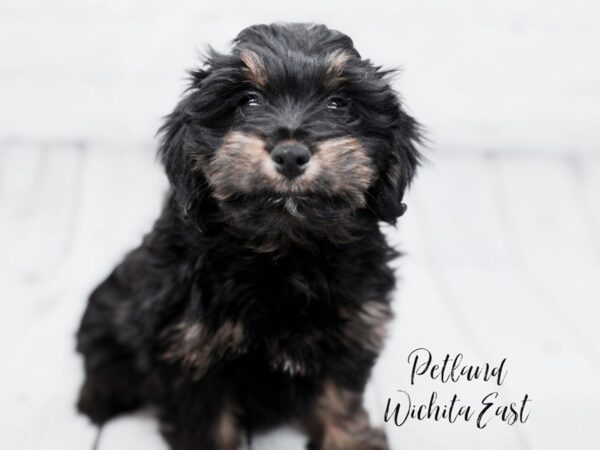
178	152
398	170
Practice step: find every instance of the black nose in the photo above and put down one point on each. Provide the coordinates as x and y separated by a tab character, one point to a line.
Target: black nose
291	158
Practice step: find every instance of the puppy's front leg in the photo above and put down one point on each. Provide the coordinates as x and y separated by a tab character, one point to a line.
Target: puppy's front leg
338	421
210	423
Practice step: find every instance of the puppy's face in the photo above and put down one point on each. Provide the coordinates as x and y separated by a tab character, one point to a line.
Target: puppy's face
291	133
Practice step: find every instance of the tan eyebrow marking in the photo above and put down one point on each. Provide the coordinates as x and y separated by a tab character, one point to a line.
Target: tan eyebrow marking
254	67
337	62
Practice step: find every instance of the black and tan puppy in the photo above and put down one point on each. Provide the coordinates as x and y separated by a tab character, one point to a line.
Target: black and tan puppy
262	293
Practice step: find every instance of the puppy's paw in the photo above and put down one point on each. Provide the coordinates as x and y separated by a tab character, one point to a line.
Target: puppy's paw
369	439
373	439
100	403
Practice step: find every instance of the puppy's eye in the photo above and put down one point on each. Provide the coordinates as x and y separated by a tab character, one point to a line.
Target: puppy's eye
250	100
336	103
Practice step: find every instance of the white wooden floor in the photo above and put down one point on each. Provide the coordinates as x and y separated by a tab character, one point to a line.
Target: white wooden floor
503	260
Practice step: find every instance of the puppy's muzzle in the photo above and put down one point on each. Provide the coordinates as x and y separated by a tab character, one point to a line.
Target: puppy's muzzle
291	158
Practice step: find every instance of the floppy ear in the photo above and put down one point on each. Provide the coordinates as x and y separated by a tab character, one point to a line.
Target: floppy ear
178	152
398	171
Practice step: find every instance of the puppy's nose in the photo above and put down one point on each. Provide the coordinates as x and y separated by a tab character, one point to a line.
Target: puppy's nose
291	158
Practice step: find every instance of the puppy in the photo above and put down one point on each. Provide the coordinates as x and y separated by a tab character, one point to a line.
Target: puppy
262	293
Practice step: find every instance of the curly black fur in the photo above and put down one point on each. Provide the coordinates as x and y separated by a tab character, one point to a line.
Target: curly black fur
257	299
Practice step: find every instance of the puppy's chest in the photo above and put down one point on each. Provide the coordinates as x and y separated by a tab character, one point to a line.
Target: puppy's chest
296	346
293	323
293	346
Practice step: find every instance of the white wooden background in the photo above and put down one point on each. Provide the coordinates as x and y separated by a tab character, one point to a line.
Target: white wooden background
502	234
503	260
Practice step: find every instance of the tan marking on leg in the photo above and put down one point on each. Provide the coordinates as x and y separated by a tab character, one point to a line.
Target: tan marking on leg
341	416
338	421
227	435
